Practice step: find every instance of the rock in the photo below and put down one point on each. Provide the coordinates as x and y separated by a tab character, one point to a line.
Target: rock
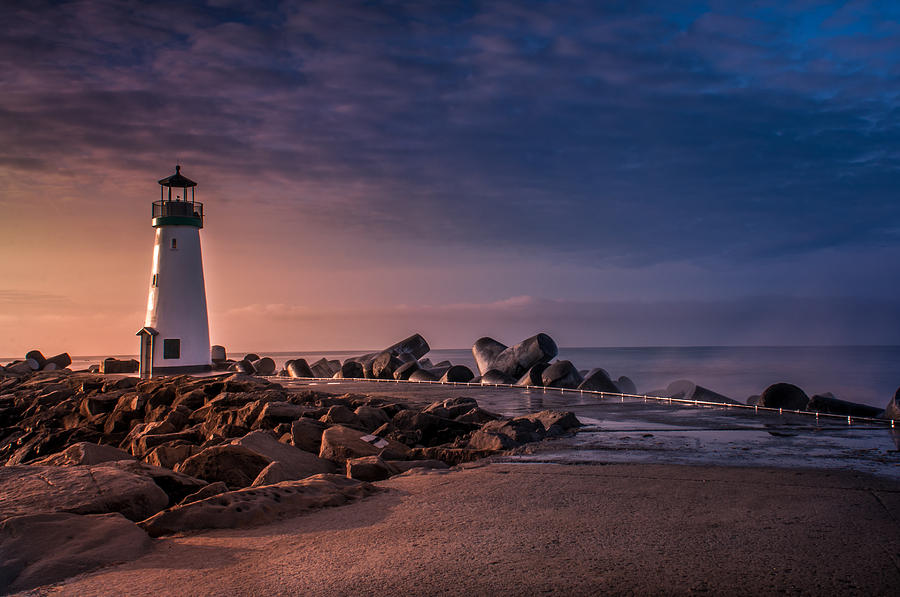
251	357
85	453
478	416
37	356
428	429
516	360
826	403
340	444
422	375
892	410
505	435
451	456
684	389
99	489
369	468
625	385
495	377
112	365
258	505
236	466
171	454
296	463
532	377
485	350
753	400
402	466
554	422
425	363
264	366
306	434
340	415
205	492
458	374
598	381
451	407
561	374
61	360
350	370
370	417
384	365
41	549
274	473
217	354
175	485
300	368
784	395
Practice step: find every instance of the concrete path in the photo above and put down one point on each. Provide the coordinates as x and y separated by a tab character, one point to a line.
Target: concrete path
535	529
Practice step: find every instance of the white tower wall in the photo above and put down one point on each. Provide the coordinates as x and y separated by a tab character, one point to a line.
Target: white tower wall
176	306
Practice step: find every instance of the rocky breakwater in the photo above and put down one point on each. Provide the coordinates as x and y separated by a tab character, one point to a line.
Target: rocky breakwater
96	466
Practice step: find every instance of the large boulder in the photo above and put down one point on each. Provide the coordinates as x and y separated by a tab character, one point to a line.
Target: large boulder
784	395
684	389
175	485
415	347
516	360
458	374
495	377
554	422
300	368
350	370
264	366
827	403
892	410
85	453
258	505
422	375
236	466
561	374
369	468
340	444
597	380
99	489
296	463
533	377
322	368
406	369
384	365
41	549
485	350
306	434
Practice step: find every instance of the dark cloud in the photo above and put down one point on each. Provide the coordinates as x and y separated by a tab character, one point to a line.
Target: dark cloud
638	133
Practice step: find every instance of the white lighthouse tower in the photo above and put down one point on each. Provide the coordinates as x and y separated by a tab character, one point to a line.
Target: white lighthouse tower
175	336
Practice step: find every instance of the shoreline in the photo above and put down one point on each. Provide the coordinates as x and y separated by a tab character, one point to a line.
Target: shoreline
559	529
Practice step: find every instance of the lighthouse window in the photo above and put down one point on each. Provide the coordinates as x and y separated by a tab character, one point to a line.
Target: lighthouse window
172	348
174	243
155	279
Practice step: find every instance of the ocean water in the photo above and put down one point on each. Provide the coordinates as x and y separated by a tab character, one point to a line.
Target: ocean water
865	374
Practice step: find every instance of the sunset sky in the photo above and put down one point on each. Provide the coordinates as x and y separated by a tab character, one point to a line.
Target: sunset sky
649	173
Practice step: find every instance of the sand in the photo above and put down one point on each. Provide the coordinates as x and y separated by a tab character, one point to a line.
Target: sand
529	529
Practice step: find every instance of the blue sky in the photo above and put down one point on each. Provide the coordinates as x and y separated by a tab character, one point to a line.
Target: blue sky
437	154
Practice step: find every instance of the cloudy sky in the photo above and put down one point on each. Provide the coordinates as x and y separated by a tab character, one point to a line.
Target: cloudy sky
641	173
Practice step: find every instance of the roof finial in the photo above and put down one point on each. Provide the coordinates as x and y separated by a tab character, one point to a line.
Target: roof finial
177	169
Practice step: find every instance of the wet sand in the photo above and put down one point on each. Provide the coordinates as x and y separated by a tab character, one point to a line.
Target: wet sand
527	529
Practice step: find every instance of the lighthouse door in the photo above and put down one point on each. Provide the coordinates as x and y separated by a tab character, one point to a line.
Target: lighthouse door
146	355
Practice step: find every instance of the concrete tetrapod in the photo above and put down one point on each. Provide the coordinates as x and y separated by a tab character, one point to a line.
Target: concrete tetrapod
516	360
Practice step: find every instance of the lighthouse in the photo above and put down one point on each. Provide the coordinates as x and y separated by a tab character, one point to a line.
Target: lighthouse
175	336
